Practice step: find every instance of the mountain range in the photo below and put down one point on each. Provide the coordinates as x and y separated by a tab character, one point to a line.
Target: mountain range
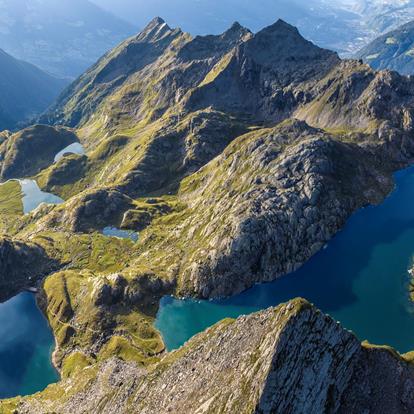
237	157
66	37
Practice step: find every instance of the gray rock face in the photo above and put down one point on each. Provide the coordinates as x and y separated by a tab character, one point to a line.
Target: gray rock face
292	359
180	148
301	185
254	206
144	60
262	73
261	146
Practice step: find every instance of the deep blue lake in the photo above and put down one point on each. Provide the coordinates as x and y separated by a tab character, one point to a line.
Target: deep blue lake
360	279
26	345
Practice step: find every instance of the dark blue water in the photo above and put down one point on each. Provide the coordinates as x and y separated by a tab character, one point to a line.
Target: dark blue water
26	344
361	279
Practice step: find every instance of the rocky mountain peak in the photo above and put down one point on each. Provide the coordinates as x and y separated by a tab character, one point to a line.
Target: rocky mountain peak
155	30
286	359
280	42
157	21
236	32
280	26
214	46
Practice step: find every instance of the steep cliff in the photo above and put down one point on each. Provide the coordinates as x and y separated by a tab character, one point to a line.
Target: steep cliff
289	359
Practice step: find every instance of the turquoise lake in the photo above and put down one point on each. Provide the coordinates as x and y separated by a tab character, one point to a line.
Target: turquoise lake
361	279
26	345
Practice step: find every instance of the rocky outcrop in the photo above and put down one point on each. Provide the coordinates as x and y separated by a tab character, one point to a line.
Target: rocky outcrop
261	209
91	211
103	316
21	266
262	75
289	359
325	137
31	150
68	170
144	60
178	148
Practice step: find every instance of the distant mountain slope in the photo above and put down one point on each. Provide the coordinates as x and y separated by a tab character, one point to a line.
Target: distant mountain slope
394	50
63	37
25	91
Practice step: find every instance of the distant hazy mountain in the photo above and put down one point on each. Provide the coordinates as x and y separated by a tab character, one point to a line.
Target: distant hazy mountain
394	50
25	91
343	25
63	37
319	20
380	16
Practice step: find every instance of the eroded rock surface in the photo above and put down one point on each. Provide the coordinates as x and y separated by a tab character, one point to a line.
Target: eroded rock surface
236	157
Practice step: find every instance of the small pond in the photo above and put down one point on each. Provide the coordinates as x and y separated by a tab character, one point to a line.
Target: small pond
33	196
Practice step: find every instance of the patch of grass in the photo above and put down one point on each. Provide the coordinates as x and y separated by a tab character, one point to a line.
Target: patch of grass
383	348
11	198
94	252
125	350
75	363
